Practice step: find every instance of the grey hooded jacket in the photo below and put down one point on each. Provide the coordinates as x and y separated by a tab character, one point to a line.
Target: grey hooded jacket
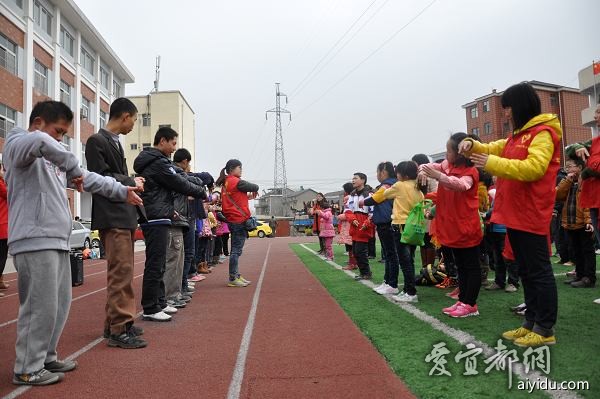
38	170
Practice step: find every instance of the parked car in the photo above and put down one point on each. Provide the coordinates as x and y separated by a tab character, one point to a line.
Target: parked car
263	230
94	234
80	236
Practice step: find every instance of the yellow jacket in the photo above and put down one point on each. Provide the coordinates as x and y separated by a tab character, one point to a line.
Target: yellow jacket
405	194
535	165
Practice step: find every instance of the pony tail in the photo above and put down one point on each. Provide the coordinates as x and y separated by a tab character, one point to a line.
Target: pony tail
221	180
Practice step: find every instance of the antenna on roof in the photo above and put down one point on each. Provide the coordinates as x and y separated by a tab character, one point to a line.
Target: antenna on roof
157	73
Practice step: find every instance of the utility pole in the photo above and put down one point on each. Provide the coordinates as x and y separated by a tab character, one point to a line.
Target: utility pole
279	176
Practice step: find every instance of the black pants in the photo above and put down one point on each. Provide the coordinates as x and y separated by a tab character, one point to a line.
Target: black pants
469	273
496	241
561	241
225	243
321	244
361	253
582	243
405	261
372	250
348	248
388	248
153	286
539	285
3	254
449	262
218	250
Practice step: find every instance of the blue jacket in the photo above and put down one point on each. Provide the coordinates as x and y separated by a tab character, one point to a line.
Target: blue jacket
382	213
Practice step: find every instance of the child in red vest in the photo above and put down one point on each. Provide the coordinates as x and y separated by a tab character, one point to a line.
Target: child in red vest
457	225
526	165
361	227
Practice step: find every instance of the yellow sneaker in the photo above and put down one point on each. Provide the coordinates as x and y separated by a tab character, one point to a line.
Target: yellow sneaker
237	283
514	334
534	339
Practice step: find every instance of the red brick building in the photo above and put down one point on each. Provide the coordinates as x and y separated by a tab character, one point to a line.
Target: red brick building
50	50
485	115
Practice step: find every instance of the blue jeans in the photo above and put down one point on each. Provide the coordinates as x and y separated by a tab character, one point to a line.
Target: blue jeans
238	238
406	261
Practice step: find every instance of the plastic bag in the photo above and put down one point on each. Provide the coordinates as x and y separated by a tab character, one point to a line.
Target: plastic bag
416	225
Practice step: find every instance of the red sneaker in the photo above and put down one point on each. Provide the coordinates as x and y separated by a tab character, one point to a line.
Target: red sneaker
464	310
452	308
454	294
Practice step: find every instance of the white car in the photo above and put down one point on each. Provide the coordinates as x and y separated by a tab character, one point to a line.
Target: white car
80	236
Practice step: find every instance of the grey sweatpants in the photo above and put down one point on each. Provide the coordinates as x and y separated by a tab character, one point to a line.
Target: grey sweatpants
44	281
174	265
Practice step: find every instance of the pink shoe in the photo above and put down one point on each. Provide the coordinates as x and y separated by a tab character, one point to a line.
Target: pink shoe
451	308
454	294
196	278
464	310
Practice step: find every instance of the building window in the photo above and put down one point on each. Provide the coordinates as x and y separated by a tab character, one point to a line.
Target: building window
40	81
67	142
42	18
87	61
8	116
475	131
553	99
166	125
133	146
83	160
67	41
116	89
146	120
505	127
8	54
85	108
487	128
145	145
473	112
65	93
486	106
104	76
102	119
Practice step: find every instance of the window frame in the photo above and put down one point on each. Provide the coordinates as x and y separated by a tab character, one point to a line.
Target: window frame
103	119
474	112
85	105
475	130
4	43
104	77
487	128
85	58
40	77
65	92
65	34
7	121
486	106
116	89
38	12
146	119
133	147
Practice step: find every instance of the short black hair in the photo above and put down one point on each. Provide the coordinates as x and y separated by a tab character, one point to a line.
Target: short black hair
524	102
122	106
362	176
182	155
164	133
347	187
421	159
577	161
408	169
51	111
387	167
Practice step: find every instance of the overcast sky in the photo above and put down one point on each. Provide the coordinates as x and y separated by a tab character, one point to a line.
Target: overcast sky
225	56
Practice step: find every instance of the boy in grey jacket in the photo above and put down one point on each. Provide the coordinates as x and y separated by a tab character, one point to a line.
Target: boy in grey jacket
38	170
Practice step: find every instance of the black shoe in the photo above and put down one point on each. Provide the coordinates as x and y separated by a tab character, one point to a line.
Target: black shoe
126	340
61	366
572	280
585	282
362	277
134	330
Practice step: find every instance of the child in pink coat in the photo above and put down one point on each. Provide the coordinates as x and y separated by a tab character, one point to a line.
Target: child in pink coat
327	232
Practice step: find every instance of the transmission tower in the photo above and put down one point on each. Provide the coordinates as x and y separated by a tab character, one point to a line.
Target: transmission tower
279	177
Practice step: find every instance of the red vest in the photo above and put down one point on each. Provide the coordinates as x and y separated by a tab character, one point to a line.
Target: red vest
457	223
230	192
590	187
527	206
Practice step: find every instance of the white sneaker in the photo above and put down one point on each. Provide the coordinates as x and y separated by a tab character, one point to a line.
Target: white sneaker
597	301
388	290
403	297
170	310
380	286
159	316
598	252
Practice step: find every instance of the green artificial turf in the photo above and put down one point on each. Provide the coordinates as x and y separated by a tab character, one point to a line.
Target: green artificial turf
405	341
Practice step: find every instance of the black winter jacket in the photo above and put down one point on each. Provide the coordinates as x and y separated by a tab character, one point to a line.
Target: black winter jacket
161	181
183	216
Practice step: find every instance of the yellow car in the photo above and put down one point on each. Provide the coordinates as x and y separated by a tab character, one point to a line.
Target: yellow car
94	234
263	230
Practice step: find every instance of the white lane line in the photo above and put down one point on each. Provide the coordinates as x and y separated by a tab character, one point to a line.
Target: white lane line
462	337
21	390
7	323
240	365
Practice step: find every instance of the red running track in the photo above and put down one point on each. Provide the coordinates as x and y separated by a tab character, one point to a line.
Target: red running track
302	344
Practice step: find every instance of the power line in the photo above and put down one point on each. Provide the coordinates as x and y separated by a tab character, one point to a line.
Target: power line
332	48
342	47
367	57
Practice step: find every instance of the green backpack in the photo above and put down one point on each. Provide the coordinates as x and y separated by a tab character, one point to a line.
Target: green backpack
416	224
